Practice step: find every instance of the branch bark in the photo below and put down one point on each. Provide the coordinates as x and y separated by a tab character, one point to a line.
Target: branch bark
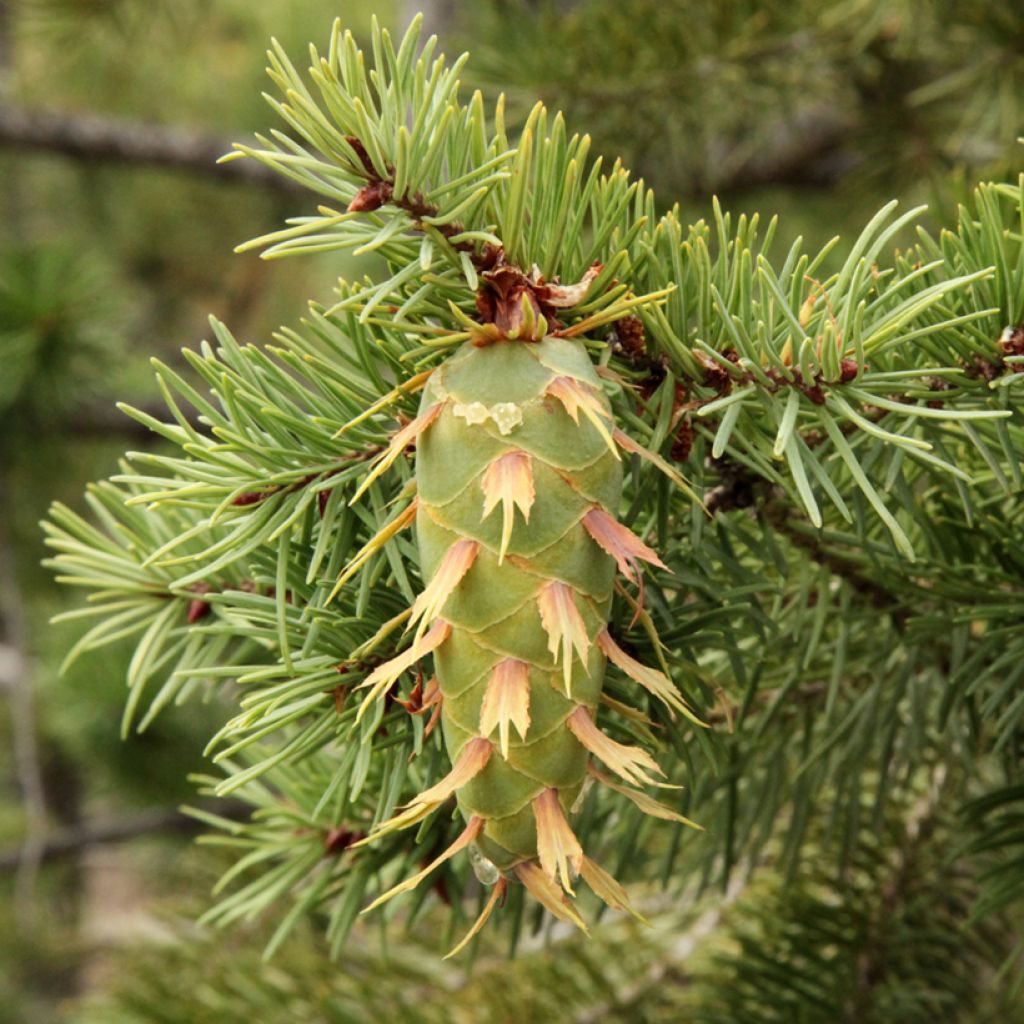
73	840
814	156
92	137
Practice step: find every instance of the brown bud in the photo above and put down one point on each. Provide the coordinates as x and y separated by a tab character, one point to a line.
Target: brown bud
371	197
251	497
198	608
506	299
491	256
631	336
815	393
847	370
339	839
1012	341
715	375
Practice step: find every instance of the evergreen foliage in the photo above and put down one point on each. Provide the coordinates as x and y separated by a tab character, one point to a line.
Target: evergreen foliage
842	592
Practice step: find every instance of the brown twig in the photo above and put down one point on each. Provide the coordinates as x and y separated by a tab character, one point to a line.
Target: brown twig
72	841
102	139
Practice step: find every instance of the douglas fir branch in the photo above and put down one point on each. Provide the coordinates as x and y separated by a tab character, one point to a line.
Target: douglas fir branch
442	500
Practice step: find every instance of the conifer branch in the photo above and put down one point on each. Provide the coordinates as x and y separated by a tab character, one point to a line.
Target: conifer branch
836	422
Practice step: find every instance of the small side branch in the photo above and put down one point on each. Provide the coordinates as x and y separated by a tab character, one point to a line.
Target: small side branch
93	137
164	821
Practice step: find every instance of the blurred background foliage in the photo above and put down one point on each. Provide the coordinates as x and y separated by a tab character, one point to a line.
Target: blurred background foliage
116	238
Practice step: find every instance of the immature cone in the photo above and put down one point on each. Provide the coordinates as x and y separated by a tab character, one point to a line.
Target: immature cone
522	648
519	481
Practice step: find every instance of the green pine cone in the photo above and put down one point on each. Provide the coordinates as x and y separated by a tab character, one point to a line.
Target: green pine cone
495	404
519	479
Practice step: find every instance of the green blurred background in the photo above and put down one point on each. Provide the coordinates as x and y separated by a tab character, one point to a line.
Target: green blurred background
116	239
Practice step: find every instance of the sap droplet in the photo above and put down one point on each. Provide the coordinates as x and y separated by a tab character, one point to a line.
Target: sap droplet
474	413
485	870
507	415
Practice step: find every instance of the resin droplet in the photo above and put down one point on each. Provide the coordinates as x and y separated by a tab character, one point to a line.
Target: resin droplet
486	872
